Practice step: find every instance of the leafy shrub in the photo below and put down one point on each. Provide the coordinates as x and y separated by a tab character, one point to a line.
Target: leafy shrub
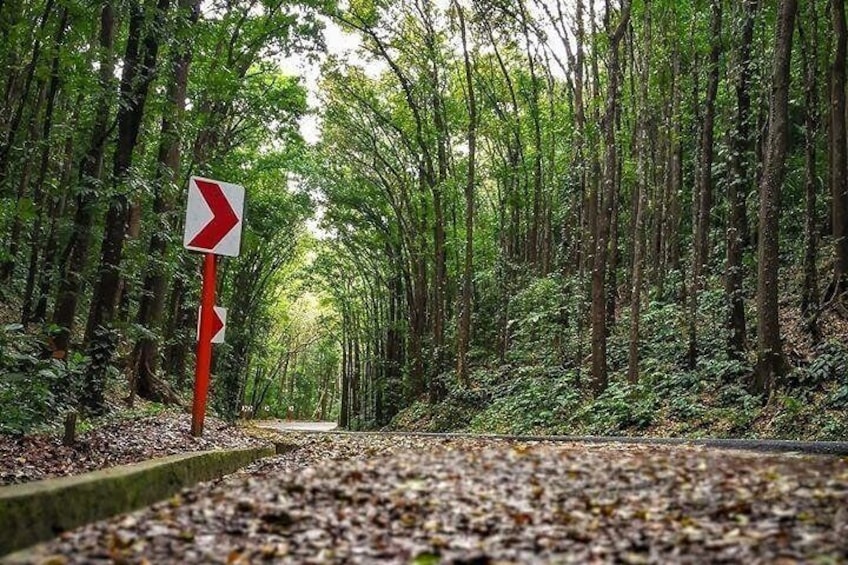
33	389
735	395
530	400
839	397
679	381
538	322
620	407
722	369
414	418
831	364
662	328
685	408
458	409
830	425
791	418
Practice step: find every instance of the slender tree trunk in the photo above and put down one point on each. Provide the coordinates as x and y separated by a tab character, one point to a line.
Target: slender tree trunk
17	116
599	329
344	412
468	269
737	226
534	231
770	361
838	155
139	69
39	196
809	48
75	257
356	377
700	251
636	294
672	228
639	234
614	252
33	140
151	305
180	314
58	204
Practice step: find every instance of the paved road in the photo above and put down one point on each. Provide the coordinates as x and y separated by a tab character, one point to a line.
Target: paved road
297	426
355	498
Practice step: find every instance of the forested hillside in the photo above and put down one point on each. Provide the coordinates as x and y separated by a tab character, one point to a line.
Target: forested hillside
590	216
531	216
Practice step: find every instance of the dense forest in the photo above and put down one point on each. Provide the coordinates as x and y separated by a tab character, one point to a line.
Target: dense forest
532	216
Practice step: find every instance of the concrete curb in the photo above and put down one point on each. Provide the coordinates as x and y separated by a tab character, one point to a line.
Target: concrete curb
831	448
41	510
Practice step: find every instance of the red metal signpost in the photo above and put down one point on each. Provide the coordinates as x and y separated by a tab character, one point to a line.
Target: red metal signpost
204	344
214	216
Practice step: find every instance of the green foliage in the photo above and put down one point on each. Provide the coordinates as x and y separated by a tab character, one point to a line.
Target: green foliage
712	400
34	388
538	320
621	407
458	409
829	365
527	400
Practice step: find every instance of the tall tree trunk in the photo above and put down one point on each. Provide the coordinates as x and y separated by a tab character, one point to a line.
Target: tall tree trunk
151	305
39	196
58	204
636	293
139	70
809	61
180	314
639	235
29	146
737	188
770	361
534	231
24	99
599	267
468	272
75	257
838	155
672	228
344	412
700	247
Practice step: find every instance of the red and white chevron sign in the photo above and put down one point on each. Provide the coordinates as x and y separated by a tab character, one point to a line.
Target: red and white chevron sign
214	217
219	324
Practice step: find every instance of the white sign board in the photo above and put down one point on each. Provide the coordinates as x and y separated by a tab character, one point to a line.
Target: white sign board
214	215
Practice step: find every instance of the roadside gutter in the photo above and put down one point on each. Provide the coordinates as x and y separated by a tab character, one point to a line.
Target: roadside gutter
41	510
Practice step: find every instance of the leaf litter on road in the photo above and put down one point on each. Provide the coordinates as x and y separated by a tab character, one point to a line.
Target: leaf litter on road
398	499
32	458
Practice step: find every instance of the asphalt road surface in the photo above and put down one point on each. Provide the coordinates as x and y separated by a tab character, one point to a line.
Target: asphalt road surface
349	498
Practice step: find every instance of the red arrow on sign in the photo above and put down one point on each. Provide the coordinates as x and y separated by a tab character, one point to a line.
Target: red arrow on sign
217	323
223	219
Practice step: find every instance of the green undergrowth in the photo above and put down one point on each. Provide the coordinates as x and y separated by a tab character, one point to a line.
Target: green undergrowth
544	385
37	391
810	403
